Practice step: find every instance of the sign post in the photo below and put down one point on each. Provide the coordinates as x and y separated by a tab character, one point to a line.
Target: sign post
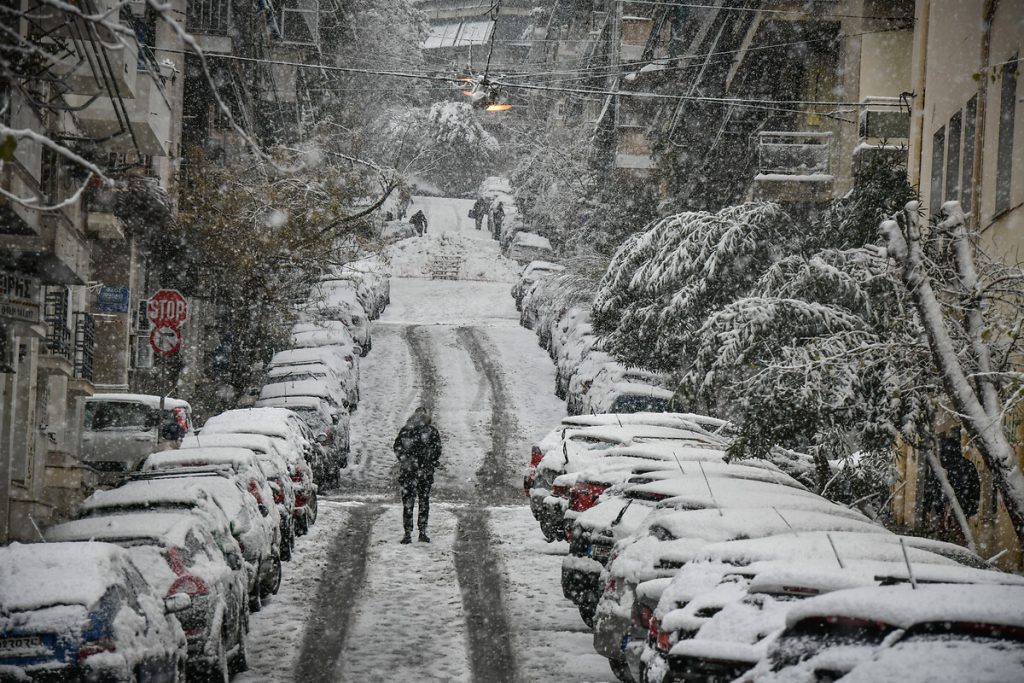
167	310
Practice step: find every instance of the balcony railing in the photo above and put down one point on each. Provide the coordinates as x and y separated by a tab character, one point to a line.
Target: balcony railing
85	345
55	315
795	155
209	16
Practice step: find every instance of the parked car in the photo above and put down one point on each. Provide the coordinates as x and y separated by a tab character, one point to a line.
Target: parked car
528	246
297	441
345	301
532	272
177	554
120	430
83	611
275	467
323	333
247	472
341	361
335	427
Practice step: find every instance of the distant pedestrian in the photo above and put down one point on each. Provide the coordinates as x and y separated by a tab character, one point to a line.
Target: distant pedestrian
498	217
418	449
479	211
419	221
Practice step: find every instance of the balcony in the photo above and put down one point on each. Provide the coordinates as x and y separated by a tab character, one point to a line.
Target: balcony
210	23
55	315
92	68
793	166
84	346
149	116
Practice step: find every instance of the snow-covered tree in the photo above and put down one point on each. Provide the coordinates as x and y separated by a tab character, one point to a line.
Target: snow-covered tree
970	309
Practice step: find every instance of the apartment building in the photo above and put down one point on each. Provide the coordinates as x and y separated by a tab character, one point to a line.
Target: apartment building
106	97
967	145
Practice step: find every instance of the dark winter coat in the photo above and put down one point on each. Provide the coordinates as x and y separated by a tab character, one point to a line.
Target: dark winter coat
419	219
418	448
480	208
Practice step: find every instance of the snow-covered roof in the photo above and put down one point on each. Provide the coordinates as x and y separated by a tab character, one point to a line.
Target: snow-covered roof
257	443
145	399
903	606
946	660
38	575
189	457
141	492
163	528
332	356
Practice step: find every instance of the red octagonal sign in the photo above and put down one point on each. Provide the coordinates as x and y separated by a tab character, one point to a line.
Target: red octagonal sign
167	308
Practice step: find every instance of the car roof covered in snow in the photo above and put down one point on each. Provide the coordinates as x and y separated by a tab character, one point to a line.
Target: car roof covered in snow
332	356
744	469
761	493
904	606
313	367
531	240
258	443
293	402
37	575
162	528
267	421
682	420
627	388
753	522
145	399
945	660
302	387
188	457
141	492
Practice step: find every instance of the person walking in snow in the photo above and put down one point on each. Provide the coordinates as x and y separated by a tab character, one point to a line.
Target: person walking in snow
419	221
479	211
418	449
497	217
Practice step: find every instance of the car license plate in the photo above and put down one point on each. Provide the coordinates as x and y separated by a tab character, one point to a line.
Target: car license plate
22	646
600	552
625	642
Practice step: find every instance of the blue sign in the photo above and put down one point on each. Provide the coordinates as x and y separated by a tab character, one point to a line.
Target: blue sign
112	300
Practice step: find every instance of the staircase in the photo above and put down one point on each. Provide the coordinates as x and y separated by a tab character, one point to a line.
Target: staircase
445	266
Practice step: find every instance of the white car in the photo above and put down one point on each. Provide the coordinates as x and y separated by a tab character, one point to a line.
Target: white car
340	361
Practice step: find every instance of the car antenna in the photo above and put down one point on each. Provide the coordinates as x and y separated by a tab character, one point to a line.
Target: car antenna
708	483
910	568
834	551
786	521
565	452
619	421
678	464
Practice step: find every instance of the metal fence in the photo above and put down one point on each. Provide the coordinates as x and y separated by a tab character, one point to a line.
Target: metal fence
794	153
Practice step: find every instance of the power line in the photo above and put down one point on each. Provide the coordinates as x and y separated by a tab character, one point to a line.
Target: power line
692	5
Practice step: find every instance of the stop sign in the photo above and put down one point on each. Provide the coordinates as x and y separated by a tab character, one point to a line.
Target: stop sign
167	308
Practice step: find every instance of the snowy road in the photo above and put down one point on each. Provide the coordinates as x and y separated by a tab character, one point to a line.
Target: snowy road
482	602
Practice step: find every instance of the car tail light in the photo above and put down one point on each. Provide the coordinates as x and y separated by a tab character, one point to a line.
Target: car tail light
660	639
642	615
297	477
254	490
664	641
536	455
611	586
175	561
95	647
560	491
583	496
192	585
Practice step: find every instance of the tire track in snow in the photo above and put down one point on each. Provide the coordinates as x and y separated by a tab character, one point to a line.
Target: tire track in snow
494	478
483	599
330	615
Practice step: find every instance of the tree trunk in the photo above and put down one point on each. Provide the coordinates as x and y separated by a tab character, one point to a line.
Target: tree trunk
985	428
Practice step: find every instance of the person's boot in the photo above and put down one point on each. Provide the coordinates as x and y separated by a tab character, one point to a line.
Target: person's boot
407	538
423	536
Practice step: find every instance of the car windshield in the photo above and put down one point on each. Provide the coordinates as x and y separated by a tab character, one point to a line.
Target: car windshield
640	404
812	636
295	377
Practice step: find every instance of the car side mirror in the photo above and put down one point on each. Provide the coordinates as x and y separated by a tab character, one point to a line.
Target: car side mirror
321	438
179	602
357	350
264	510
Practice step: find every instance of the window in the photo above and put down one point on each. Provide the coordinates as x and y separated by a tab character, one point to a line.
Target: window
938	147
1004	157
970	129
953	158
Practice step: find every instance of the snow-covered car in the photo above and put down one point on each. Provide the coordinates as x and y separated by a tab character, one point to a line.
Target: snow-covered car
177	554
534	271
83	611
724	631
341	361
313	387
332	429
617	389
275	467
528	246
245	466
120	430
340	300
246	521
830	636
582	379
297	443
324	333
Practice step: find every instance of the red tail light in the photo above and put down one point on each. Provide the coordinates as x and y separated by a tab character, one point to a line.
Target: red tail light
192	585
297	477
663	642
94	648
583	496
254	490
536	455
642	615
660	639
175	561
611	585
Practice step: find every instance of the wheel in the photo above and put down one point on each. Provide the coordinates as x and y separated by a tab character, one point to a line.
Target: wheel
301	526
621	670
271	585
216	671
287	540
